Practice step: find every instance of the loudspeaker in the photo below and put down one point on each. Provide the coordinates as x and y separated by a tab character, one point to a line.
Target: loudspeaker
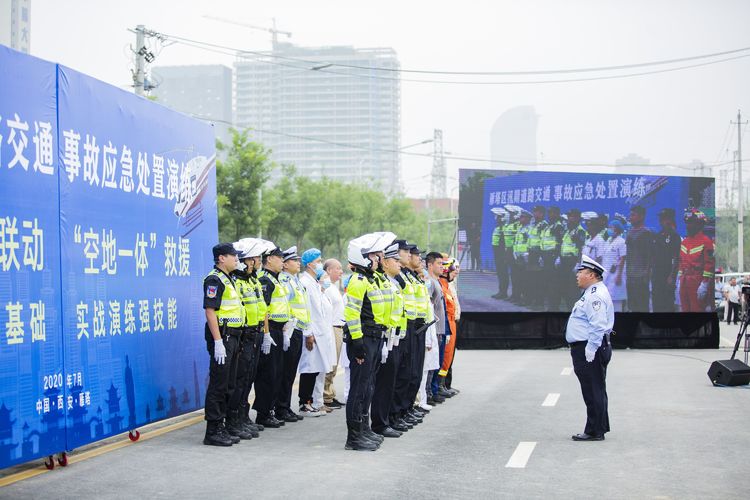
729	372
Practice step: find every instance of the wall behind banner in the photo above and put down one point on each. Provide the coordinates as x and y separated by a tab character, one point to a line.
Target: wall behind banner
130	204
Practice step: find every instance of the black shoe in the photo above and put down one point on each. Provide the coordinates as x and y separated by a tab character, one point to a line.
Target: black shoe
354	440
415	415
402	423
587	437
334	405
419	412
216	438
410	420
389	432
289	417
236	429
367	433
223	431
438	399
269	421
430	401
445	393
399	425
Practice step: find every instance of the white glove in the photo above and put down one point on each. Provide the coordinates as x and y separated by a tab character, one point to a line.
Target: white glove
447	339
265	347
287	339
220	352
703	290
557	262
396	340
590	354
289	326
384	354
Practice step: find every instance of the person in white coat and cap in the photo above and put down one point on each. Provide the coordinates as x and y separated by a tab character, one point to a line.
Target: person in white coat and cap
316	359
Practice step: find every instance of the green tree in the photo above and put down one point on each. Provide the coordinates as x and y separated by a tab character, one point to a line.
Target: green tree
239	180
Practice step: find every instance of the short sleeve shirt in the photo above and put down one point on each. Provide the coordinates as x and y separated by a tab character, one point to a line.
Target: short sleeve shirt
213	289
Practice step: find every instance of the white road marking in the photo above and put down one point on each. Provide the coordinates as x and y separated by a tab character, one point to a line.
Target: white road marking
521	456
551	399
566	371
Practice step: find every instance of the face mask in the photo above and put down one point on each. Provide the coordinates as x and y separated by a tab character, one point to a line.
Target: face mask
319	267
318	272
611	233
326	284
241	266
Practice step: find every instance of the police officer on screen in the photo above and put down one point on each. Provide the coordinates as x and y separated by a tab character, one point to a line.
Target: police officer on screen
225	322
588	331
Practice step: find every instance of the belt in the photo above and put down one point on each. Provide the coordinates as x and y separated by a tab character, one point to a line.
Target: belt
605	341
235	331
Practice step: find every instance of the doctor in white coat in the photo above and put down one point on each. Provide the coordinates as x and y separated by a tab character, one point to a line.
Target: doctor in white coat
316	359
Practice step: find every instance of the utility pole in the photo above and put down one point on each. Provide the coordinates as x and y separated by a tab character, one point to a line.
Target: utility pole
140	59
740	200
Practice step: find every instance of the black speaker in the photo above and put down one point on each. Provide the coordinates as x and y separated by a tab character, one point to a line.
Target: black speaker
729	372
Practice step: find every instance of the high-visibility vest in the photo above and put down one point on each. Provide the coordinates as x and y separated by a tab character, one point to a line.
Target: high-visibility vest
278	309
549	241
398	312
361	286
521	245
535	235
424	308
250	299
569	248
386	292
231	312
262	307
298	302
509	232
410	301
497	233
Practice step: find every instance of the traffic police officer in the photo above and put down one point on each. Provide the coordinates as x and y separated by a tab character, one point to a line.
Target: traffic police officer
239	422
573	240
588	334
270	363
363	333
225	322
509	233
521	259
551	242
536	264
293	332
498	252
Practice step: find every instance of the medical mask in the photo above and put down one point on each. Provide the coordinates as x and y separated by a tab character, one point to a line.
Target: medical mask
318	273
241	266
319	267
611	233
326	284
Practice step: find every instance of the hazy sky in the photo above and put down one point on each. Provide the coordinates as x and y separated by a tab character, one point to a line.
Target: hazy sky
670	118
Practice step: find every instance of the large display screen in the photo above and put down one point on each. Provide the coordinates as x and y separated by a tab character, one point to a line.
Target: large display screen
522	236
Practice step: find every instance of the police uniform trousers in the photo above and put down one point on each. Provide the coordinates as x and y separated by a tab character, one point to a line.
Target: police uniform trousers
593	379
550	279
663	293
361	377
268	378
567	280
246	369
401	401
291	362
501	269
385	384
221	378
417	365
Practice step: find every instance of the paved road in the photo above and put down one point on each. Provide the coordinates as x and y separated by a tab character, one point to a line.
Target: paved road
673	436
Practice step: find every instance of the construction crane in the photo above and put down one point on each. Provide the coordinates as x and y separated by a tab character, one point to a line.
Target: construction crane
274	32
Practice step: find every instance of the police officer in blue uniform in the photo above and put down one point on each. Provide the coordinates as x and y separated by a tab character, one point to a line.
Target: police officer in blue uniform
588	333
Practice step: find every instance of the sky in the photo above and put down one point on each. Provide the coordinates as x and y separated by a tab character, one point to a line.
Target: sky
668	118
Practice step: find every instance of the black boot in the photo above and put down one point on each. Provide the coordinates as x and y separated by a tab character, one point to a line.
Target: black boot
235	427
214	437
388	432
367	431
442	390
354	439
248	425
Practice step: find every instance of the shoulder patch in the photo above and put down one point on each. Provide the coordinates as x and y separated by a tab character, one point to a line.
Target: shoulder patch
593	289
597	304
211	291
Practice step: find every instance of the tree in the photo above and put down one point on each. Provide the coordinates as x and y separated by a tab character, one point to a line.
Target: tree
239	180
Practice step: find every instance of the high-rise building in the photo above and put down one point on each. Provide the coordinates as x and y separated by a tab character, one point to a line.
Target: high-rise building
513	139
201	91
15	24
328	120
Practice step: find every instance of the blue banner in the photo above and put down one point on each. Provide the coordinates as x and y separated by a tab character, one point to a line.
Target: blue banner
138	220
107	219
32	393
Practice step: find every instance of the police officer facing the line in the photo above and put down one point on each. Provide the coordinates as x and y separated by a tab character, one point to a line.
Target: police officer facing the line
225	322
588	331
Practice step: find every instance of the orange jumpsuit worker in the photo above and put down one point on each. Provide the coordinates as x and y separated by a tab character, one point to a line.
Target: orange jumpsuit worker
696	264
448	275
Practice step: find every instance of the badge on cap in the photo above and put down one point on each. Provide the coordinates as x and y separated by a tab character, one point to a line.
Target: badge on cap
211	291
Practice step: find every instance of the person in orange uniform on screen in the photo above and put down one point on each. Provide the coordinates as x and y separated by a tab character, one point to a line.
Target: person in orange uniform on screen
696	264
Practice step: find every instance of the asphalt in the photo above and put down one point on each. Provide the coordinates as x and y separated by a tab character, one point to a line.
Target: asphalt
673	435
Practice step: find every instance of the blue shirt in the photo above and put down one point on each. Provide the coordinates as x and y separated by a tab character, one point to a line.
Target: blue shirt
592	318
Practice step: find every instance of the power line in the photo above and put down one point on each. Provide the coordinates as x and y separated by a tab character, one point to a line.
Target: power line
461	157
260	57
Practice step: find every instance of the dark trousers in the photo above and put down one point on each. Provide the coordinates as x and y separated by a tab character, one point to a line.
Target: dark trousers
501	270
593	379
734	310
268	379
221	378
403	373
567	281
290	362
417	366
638	294
516	271
435	380
385	384
246	369
551	290
663	294
361	379
306	387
